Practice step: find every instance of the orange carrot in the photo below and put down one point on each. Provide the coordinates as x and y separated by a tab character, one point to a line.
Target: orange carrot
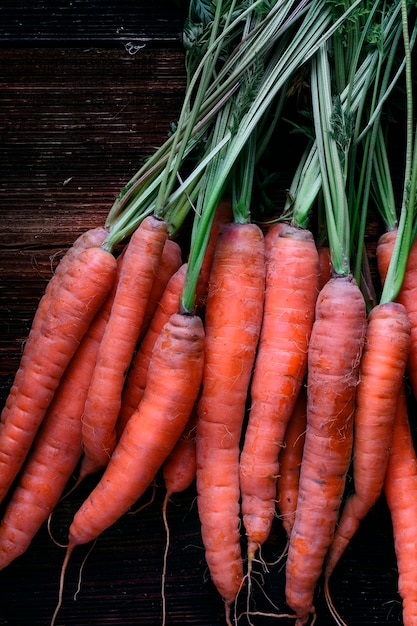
232	320
223	215
291	290
290	462
92	237
169	263
174	379
407	295
56	451
136	379
381	375
325	265
400	489
333	362
179	469
134	285
82	290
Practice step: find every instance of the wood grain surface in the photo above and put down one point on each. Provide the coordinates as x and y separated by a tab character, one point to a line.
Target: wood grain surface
82	103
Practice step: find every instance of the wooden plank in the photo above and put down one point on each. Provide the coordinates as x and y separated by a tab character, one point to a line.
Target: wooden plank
103	22
75	126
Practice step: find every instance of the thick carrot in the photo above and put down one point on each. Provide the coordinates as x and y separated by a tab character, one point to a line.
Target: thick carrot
381	375
170	262
291	290
290	462
134	285
92	237
233	319
174	379
333	363
82	290
400	489
407	295
136	378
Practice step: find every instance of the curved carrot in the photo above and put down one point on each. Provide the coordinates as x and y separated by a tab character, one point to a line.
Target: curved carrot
93	237
290	462
136	378
82	290
174	379
56	450
333	362
102	406
381	375
233	319
400	489
291	290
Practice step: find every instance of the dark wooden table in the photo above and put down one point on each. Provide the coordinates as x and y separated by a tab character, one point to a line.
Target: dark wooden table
88	90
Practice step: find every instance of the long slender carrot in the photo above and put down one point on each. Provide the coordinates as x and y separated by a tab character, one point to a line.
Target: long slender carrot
136	378
381	376
82	290
174	380
88	239
400	489
292	271
103	402
173	384
290	462
333	363
233	319
56	450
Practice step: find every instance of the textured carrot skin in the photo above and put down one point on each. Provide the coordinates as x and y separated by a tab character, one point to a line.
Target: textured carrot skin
82	290
180	467
56	450
400	489
381	374
170	262
325	265
223	215
91	238
290	463
135	281
407	295
174	380
333	363
291	290
232	321
136	378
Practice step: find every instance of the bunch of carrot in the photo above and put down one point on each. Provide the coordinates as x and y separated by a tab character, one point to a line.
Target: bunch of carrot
256	362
